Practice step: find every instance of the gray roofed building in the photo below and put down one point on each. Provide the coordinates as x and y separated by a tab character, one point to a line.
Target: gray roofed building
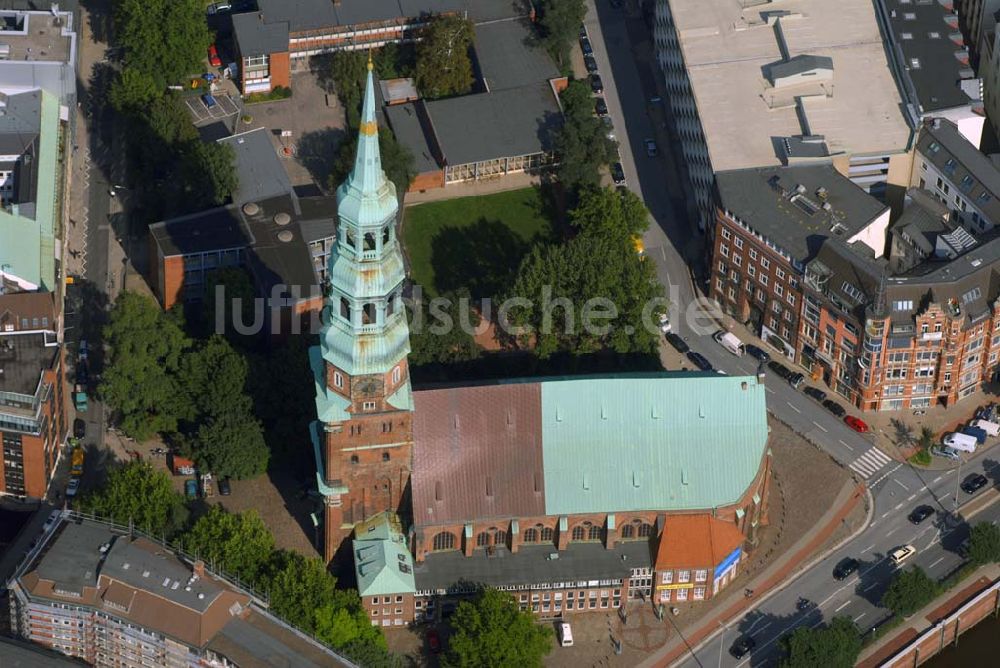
412	127
798	208
914	234
792	71
302	15
254	36
73	561
258	167
212	230
486	126
532	564
509	57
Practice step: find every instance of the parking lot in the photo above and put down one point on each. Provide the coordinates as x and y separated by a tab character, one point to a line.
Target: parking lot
223	109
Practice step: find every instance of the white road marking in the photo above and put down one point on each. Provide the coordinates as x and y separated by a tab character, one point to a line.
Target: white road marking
949	472
869	463
847	446
842	606
891	532
899	505
870	547
911	496
895	480
793	407
819	426
870	587
768	389
763	627
885	514
855	620
939	560
937	479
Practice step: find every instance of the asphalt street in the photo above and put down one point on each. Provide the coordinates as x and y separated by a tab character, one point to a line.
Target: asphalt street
896	488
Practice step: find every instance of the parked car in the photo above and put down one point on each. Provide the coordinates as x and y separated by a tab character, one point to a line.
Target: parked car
224	487
759	353
191	488
434	641
651	150
816	393
920	513
72	488
945	451
742	647
779	369
50	522
600	107
213	56
730	342
846	568
208	100
590	63
665	323
796	379
901	554
596	85
583	32
679	344
610	125
79	428
618	174
585	46
565	635
218	8
974	483
699	360
857	424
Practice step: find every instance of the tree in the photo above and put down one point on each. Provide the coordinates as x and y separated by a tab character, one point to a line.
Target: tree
136	492
397	161
346	71
443	64
165	40
134	90
491	631
298	586
213	378
284	391
909	591
209	172
236	284
344	622
582	143
560	23
237	543
835	646
145	352
606	211
232	445
984	543
437	335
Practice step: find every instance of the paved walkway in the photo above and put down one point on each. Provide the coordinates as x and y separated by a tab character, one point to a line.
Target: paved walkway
876	653
474	188
769	581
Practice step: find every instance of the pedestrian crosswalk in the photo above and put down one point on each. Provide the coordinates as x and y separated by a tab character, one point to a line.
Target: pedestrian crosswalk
870	463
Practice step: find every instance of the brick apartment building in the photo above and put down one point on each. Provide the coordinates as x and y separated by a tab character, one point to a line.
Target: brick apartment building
32	422
564	491
94	591
904	317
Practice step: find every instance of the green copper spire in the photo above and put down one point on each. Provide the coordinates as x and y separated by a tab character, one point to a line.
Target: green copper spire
365	328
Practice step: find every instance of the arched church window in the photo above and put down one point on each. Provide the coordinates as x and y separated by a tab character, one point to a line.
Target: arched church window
386	234
349	238
345	308
369	241
368	314
443	541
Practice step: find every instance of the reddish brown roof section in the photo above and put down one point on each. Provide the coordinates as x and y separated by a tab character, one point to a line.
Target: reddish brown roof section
696	541
30	305
477	453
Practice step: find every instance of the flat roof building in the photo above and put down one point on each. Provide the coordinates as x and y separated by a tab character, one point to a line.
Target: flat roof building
767	84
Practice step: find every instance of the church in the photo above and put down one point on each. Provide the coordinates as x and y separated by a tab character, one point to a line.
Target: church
573	493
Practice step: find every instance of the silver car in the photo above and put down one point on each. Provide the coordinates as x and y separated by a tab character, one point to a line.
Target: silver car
945	451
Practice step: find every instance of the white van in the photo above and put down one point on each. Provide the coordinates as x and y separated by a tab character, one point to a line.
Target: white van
730	342
962	442
991	428
565	635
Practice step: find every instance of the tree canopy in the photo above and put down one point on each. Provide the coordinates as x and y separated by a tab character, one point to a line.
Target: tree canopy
397	161
582	143
139	381
235	543
491	630
436	334
909	591
984	543
605	211
444	67
139	493
560	24
834	646
164	41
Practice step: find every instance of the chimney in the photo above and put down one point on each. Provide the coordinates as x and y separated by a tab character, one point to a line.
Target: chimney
199	568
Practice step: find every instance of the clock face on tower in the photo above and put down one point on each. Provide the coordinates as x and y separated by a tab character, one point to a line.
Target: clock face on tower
369	387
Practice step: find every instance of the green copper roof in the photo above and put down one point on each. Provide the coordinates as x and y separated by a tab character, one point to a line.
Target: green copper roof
367	198
316	436
382	563
675	442
27	238
330	406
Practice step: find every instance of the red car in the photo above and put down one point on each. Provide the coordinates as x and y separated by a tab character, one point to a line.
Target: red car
213	57
434	641
857	424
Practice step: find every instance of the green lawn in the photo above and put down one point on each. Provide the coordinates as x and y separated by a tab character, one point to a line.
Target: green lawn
473	242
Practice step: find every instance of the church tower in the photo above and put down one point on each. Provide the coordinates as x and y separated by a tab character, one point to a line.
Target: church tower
363	436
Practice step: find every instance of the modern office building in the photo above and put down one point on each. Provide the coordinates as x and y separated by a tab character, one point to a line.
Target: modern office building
568	492
32	422
758	84
97	592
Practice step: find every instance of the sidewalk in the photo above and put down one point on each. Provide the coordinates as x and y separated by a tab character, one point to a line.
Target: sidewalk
774	578
928	617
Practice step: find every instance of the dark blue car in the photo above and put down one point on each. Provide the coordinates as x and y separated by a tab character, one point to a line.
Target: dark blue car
699	361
